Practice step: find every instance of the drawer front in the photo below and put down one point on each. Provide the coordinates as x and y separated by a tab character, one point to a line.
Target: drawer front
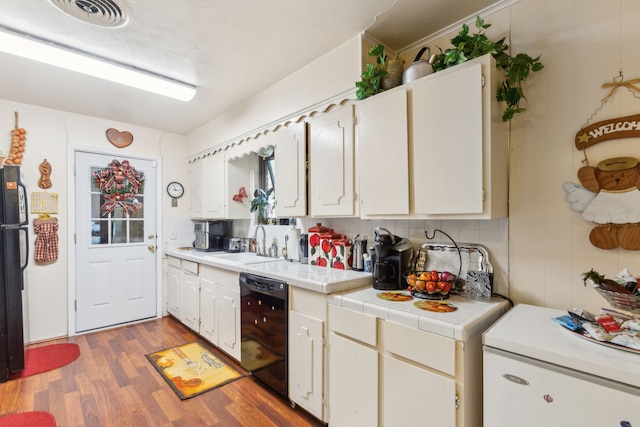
359	326
428	349
220	276
174	262
190	267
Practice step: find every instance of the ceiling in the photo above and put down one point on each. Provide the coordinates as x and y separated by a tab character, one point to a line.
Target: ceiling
230	50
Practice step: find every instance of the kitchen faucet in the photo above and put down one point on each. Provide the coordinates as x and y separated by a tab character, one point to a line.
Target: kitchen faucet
261	251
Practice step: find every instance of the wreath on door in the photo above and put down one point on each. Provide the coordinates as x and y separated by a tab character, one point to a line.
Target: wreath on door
118	183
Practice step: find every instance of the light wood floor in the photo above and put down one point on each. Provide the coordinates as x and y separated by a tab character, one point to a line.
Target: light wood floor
113	384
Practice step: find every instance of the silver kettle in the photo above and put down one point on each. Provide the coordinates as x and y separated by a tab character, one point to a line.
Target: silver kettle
359	248
419	67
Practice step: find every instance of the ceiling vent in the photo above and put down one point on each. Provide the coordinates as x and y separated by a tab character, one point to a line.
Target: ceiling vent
101	13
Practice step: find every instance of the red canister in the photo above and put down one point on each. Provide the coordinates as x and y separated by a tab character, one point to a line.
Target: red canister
320	245
341	254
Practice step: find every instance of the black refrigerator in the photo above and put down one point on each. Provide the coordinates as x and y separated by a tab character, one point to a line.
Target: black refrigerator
13	261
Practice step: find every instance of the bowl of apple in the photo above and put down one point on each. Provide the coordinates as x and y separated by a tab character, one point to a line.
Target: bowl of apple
434	285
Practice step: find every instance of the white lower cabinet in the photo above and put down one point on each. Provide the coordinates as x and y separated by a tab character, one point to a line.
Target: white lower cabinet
307	350
174	274
353	383
207	300
190	295
382	373
220	309
523	393
306	367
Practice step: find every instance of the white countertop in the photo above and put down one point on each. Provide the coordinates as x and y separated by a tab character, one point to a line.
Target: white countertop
529	331
318	279
471	317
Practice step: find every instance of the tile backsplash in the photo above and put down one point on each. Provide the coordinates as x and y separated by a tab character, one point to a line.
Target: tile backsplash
492	234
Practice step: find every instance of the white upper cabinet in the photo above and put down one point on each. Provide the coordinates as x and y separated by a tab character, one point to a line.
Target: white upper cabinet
207	181
383	154
458	144
238	175
331	164
290	170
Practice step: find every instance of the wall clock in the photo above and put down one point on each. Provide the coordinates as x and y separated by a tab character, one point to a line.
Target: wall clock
175	190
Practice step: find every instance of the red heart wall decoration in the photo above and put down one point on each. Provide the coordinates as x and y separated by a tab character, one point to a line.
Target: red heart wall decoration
119	139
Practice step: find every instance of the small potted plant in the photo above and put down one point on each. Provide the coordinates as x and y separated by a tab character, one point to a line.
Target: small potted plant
517	68
261	203
373	75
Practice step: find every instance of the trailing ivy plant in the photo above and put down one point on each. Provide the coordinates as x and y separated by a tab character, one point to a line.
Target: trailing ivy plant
371	78
468	46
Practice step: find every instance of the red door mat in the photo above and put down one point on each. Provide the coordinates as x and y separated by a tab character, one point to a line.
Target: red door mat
28	419
47	358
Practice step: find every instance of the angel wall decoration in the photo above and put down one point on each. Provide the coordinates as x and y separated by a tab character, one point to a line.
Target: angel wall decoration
610	197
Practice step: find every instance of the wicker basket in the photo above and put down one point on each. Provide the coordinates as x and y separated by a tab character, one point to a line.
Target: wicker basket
626	302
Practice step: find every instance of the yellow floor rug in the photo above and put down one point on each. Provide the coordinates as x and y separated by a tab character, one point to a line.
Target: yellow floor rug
191	369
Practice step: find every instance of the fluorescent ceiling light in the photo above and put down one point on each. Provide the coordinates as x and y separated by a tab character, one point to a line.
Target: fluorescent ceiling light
59	56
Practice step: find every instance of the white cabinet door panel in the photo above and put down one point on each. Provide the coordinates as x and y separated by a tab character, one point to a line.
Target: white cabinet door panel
229	321
331	164
448	143
290	170
190	301
383	146
306	358
353	383
413	396
208	317
173	291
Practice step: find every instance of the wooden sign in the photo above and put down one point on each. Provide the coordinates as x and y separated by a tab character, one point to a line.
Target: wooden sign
119	139
623	127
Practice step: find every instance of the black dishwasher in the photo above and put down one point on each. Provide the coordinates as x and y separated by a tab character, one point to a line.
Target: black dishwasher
263	327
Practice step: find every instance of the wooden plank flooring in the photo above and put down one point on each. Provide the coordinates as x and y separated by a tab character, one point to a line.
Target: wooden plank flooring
113	384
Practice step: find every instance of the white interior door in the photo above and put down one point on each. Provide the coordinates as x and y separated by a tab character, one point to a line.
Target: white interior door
115	246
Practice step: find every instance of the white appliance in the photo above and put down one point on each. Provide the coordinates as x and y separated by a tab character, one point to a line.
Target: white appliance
537	373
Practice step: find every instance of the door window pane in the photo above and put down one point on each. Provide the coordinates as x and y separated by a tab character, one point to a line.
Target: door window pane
120	225
119	231
136	231
99	232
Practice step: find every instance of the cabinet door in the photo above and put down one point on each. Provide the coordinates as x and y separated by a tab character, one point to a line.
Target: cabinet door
353	384
190	301
413	396
331	164
238	175
173	291
448	143
291	171
208	314
213	186
195	190
229	321
383	159
306	359
552	398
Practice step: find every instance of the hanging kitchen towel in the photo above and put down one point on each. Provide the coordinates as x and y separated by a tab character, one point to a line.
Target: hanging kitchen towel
47	241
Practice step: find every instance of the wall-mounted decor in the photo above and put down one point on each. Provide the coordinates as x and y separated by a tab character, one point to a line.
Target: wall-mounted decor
119	139
242	193
609	194
119	183
18	145
44	203
45	175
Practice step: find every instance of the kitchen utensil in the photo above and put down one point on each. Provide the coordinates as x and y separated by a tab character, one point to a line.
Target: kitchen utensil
359	248
419	67
303	248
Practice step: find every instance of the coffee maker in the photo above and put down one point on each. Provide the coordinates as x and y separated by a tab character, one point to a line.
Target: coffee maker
393	260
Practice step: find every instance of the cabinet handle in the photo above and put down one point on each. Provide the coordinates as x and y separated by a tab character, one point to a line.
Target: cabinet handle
515	379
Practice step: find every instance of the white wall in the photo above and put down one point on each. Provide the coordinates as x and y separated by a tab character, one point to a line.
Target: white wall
49	134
